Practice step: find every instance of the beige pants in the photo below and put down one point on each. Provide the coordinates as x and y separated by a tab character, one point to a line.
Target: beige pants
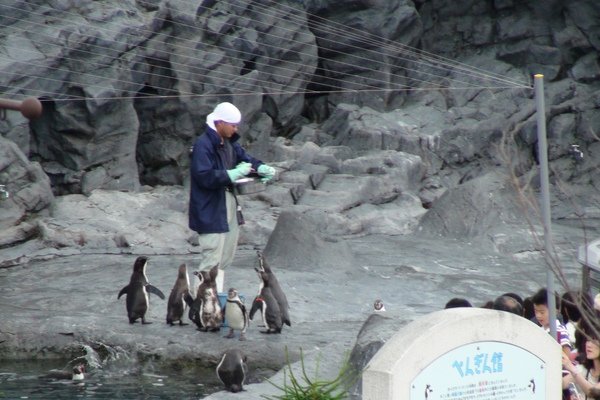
219	248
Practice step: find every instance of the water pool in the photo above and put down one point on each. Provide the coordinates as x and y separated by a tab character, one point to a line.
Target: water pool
117	380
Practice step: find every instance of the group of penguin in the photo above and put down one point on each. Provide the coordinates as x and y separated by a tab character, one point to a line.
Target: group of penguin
206	312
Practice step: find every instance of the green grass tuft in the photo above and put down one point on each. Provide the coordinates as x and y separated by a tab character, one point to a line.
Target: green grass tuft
306	388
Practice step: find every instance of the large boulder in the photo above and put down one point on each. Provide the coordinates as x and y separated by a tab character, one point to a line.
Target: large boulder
24	192
475	208
297	244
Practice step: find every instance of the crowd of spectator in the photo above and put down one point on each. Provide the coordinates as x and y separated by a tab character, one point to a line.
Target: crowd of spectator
577	331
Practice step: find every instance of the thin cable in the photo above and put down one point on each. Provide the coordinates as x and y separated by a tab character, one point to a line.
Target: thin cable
345	34
194	58
307	91
344	30
331	78
369	60
228	76
437	88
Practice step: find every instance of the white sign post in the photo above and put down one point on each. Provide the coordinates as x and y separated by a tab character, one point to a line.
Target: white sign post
466	354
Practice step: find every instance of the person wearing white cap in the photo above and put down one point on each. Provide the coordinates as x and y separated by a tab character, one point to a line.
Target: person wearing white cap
218	160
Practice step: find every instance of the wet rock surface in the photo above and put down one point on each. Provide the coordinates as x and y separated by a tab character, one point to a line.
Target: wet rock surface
58	305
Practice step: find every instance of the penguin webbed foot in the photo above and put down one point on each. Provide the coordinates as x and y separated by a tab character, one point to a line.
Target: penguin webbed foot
230	335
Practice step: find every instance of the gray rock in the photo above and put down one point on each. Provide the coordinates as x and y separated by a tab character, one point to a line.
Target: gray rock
376	330
26	193
586	69
296	244
482	202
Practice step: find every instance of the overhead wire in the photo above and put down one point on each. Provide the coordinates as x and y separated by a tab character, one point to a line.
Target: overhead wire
346	31
369	87
353	55
188	68
228	75
427	58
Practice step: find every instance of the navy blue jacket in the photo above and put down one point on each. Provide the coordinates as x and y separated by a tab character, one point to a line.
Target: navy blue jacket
208	180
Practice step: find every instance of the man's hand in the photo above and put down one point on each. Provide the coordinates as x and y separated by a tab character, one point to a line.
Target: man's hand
267	172
240	170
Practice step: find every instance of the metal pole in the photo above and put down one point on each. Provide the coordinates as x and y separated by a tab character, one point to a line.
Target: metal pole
545	200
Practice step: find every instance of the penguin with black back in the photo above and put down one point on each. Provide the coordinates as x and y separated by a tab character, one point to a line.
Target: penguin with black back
75	374
276	289
180	297
232	370
137	292
236	314
268	306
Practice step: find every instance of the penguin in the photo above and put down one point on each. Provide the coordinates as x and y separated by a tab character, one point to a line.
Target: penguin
232	370
276	290
210	312
266	303
137	292
207	280
378	306
236	314
179	297
76	374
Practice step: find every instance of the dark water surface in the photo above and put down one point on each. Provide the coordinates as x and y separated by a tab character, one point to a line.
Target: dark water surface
27	380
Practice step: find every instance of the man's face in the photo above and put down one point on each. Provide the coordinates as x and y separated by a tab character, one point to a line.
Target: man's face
541	314
225	129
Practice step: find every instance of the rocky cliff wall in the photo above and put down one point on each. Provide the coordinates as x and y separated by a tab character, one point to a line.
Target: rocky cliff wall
126	86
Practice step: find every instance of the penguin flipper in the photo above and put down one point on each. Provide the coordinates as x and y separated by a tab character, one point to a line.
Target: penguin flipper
123	291
155	290
194	312
189	300
255	307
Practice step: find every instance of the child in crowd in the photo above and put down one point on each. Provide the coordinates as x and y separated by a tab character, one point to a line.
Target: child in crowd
540	307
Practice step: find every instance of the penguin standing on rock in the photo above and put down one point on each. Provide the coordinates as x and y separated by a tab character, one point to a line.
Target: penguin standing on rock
205	310
179	297
235	314
232	370
276	289
211	313
267	304
137	292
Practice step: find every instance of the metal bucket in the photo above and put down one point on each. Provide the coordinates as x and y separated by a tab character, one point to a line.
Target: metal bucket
249	186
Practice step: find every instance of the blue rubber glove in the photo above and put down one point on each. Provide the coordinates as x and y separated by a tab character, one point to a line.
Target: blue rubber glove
267	172
240	170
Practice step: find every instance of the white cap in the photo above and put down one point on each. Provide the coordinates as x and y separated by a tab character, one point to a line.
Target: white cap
226	112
